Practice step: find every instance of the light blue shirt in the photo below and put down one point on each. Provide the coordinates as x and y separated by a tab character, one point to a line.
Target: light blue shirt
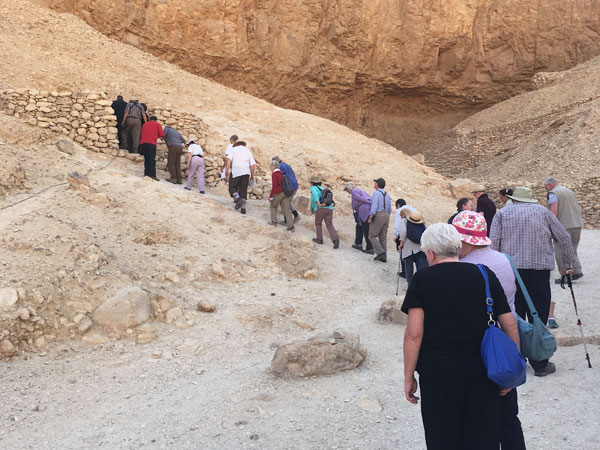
381	198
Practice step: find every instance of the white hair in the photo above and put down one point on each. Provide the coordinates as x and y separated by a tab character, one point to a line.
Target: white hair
442	239
275	164
550	181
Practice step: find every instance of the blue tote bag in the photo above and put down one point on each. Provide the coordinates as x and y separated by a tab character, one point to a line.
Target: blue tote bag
504	363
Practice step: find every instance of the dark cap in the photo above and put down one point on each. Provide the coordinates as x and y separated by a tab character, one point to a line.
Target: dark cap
233	138
380	182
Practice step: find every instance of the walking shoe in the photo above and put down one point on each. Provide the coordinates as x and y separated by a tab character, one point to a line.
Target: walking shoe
186	188
296	219
273	224
357	247
552	323
336	243
202	192
290	229
381	257
238	202
402	274
369	252
179	182
155	178
318	241
577	276
550	368
170	180
243	210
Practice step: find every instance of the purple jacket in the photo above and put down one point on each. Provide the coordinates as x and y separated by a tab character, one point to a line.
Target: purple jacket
361	202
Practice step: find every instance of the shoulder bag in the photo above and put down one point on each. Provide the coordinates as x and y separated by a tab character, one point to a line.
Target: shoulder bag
504	363
537	342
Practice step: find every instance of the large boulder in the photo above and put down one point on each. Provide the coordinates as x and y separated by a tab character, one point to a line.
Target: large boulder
320	355
129	307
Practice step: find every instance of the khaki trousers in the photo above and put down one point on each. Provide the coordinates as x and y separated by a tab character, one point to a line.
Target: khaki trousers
575	234
284	201
133	126
325	214
378	231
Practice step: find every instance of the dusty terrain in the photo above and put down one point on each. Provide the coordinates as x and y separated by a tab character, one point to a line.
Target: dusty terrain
203	379
396	70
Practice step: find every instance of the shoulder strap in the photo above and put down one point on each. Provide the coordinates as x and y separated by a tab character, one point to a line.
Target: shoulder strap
489	301
532	309
384	194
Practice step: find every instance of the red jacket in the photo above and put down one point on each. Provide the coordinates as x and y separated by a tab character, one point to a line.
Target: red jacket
151	131
277	182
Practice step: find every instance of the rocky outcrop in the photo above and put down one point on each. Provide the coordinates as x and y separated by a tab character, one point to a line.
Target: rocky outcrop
396	70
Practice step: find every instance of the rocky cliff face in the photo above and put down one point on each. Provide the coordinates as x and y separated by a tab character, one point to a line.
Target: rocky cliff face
399	70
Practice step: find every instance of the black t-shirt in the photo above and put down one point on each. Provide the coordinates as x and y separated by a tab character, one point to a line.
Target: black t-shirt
453	298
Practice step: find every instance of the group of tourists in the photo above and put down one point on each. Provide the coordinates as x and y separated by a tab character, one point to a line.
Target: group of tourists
446	305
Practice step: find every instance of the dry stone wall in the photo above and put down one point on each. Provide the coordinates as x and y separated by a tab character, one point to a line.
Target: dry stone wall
88	119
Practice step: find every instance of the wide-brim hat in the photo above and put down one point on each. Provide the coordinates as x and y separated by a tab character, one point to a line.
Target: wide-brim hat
522	194
478	188
133	99
415	217
472	228
315	179
191	141
349	186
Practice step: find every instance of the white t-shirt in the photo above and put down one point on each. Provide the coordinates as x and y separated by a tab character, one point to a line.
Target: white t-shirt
241	160
228	151
195	149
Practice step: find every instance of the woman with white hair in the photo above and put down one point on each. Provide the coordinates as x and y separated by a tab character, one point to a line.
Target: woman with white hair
447	318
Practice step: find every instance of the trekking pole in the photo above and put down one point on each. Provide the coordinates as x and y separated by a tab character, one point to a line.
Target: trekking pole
398	274
570	284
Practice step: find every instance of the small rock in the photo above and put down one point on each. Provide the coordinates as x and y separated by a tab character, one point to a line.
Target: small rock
129	307
66	146
77	180
369	404
310	274
303	325
7	349
206	306
390	312
84	324
173	314
217	269
145	334
94	339
8	298
172	276
254	437
157	354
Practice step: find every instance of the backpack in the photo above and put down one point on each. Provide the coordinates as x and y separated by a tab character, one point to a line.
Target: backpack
414	231
286	185
326	197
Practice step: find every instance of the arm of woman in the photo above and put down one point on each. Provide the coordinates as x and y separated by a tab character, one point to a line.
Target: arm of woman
413	337
509	326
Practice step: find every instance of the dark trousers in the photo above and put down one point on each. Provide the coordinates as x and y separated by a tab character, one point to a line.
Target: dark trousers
419	260
119	128
511	435
174	163
361	231
537	283
460	415
325	214
239	185
149	152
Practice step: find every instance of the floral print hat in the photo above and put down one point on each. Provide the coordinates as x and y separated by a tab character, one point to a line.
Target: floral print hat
472	228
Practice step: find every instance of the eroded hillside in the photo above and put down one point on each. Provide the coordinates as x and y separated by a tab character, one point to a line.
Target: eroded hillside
396	70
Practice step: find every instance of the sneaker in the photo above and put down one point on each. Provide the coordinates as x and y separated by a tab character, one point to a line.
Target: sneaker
577	276
243	210
296	219
155	178
273	224
170	180
357	247
202	192
552	323
318	241
290	229
186	188
381	257
369	252
549	369
238	203
402	274
336	243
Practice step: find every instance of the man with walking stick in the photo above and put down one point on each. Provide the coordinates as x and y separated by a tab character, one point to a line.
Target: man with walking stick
525	232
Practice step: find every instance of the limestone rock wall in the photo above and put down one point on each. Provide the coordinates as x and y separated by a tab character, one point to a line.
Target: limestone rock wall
399	70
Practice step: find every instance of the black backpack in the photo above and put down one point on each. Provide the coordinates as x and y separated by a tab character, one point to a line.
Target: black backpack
286	185
414	231
326	197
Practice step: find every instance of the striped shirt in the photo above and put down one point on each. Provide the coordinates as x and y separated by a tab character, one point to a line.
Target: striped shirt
525	232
